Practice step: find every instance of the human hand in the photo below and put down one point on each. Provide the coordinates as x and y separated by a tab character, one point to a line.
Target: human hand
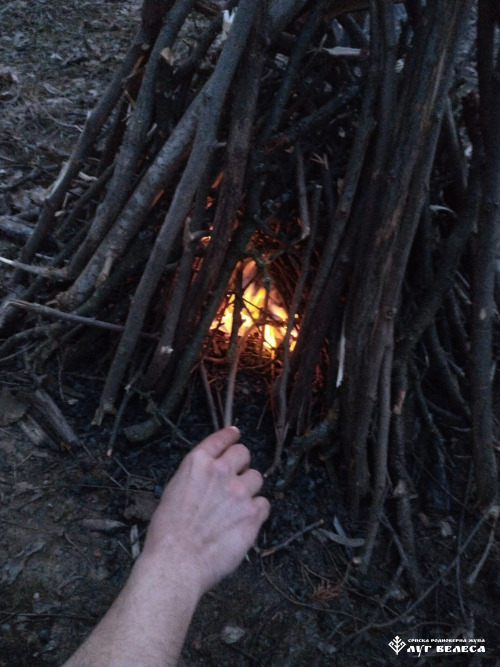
209	514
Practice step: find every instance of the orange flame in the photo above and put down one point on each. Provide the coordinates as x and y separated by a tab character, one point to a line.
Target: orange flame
262	308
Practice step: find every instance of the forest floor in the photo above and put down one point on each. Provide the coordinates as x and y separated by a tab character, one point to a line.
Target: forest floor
68	514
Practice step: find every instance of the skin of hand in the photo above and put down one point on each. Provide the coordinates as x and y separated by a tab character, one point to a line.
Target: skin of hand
210	511
208	517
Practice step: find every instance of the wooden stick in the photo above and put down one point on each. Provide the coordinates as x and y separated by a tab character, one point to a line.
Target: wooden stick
228	406
301	187
14	227
471	579
133	142
210	398
212	96
45	271
282	421
381	474
55	418
82	148
292	538
71	317
406	612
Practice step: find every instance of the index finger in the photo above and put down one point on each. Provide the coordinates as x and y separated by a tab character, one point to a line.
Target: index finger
217	443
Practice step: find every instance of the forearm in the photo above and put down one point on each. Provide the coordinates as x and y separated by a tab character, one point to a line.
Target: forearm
208	517
148	621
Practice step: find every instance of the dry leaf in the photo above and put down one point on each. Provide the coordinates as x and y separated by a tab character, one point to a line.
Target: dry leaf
12	408
341	539
345	52
141	507
103	525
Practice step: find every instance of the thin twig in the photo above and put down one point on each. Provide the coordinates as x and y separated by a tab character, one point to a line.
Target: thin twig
45	405
15	227
231	380
421	598
326	610
397	541
77	548
292	538
282	422
381	474
118	419
459	541
76	617
71	317
301	186
210	398
45	271
471	579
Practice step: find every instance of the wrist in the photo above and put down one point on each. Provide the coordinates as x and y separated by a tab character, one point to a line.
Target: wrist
168	571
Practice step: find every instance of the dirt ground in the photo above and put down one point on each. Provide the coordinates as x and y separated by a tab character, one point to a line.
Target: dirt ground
69	515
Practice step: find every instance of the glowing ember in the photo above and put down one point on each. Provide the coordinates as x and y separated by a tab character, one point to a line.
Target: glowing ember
261	309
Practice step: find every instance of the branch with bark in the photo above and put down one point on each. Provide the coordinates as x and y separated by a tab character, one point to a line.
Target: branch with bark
348	183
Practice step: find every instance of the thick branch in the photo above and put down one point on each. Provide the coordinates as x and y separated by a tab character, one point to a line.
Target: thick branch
488	237
203	146
82	148
133	141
